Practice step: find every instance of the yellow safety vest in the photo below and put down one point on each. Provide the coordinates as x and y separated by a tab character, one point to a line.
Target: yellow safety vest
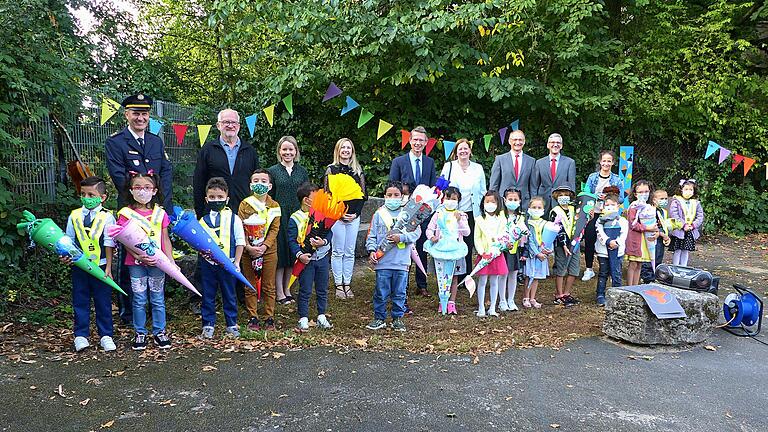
222	234
267	213
152	226
538	228
389	221
689	211
569	222
301	218
511	224
664	218
90	237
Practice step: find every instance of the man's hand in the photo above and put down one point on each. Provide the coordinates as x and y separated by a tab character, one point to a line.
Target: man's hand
304	258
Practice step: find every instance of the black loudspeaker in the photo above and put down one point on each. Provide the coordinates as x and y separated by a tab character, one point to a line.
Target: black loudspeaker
688	278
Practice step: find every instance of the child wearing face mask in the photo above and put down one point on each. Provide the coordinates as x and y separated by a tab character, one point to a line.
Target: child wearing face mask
143	200
612	231
515	257
491	225
260	208
226	229
636	248
661	203
566	267
537	260
686	212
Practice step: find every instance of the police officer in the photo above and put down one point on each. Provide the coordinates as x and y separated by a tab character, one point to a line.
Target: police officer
135	149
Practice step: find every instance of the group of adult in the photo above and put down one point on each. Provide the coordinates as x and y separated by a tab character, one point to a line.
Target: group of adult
230	157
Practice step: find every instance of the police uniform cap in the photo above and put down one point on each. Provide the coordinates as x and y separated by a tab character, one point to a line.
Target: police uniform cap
137	102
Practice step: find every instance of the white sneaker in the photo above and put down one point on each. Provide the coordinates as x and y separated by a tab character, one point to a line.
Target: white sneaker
107	343
480	313
323	323
303	324
503	306
81	343
588	274
207	332
492	313
512	307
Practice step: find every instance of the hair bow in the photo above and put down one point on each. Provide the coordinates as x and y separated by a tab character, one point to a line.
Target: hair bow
133	173
684	181
152	172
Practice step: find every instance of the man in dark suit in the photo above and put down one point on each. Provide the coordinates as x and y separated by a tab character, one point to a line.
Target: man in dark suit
135	149
513	169
553	170
412	169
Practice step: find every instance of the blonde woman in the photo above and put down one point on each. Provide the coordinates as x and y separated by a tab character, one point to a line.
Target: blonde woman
345	230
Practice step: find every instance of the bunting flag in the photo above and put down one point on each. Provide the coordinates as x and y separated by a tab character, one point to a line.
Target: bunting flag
250	121
712	147
365	117
430	145
270	113
724	153
448	148
487	139
109	107
332	92
288	102
155	126
181	131
748	162
626	159
349	105
737	158
503	135
202	133
405	137
383	128
515	125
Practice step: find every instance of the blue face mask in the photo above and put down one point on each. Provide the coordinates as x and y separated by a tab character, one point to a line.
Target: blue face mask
663	203
393	203
512	205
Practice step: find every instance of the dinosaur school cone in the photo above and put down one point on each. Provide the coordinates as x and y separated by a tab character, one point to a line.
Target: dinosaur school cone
136	240
45	232
188	228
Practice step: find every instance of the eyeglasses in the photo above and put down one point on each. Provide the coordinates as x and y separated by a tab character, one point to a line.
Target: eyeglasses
142	188
230	123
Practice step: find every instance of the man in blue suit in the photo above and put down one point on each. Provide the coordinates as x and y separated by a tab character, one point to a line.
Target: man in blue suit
135	149
412	169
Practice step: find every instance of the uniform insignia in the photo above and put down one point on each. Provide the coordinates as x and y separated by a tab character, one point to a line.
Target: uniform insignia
140	96
133	152
136	162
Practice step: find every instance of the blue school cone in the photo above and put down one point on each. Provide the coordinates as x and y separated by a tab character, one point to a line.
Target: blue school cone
186	226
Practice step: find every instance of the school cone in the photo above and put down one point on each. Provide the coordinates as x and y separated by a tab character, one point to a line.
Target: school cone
136	240
188	228
45	232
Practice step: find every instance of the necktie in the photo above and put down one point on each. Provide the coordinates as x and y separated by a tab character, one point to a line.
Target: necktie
417	174
553	169
141	141
517	167
88	220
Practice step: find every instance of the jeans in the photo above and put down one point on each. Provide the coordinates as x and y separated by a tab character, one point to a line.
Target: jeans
607	267
215	278
315	273
143	279
343	250
85	287
389	284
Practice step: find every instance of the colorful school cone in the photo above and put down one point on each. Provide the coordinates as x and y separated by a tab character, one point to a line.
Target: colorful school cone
647	216
503	244
136	240
444	270
549	234
255	233
45	232
186	226
587	201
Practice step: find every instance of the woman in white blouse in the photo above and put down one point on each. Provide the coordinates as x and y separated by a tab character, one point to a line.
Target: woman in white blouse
469	177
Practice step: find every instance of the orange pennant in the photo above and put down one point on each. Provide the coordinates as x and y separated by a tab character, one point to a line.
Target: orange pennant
406	137
737	158
748	162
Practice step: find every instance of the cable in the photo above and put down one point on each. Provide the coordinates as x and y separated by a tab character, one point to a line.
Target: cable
761	341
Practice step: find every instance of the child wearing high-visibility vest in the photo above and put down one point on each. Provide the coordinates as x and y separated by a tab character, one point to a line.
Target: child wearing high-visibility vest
261	207
226	229
661	202
686	212
143	198
87	226
537	256
566	267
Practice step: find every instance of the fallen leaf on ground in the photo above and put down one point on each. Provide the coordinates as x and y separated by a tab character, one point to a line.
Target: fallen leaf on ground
277	355
554	426
274	414
60	391
208	368
361	342
85	402
108	424
710	348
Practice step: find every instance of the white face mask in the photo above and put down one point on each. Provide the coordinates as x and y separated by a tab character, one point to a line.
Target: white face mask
490	207
142	196
450	204
687	194
535	213
609	209
643	197
564	200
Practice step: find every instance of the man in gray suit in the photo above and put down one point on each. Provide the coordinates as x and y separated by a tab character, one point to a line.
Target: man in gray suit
513	169
553	170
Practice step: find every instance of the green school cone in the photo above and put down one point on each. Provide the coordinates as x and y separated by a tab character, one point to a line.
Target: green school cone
45	232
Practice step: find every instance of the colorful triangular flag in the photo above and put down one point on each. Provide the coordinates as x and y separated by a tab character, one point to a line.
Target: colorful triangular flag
180	130
430	145
270	113
487	139
448	148
202	133
288	102
349	105
383	128
365	117
155	126
405	137
737	158
332	92
515	125
748	162
503	135
724	153
109	108
250	121
712	147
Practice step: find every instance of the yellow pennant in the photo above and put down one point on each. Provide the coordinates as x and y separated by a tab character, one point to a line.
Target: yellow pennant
109	108
270	113
384	127
202	132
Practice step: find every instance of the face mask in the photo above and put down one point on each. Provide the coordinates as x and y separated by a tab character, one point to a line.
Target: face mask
393	203
564	200
643	197
663	203
687	194
259	188
142	196
90	203
217	205
450	204
535	213
609	209
512	205
490	207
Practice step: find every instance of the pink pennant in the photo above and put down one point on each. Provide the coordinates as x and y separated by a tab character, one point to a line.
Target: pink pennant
180	130
748	162
737	158
724	153
406	137
430	145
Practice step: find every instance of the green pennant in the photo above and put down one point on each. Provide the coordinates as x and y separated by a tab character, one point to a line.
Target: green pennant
365	117
487	139
288	102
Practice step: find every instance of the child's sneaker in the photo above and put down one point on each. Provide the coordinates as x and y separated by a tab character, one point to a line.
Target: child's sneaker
81	343
323	323
303	325
601	300
376	324
233	331
480	313
559	301
398	325
527	303
253	324
162	341
140	342
503	306
512	307
588	274
493	313
269	324
107	343
452	308
535	304
571	300
207	332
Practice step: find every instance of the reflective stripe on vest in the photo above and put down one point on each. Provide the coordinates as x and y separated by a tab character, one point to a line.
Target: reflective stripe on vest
664	218
90	237
266	213
567	221
389	222
689	211
153	225
221	234
538	228
301	218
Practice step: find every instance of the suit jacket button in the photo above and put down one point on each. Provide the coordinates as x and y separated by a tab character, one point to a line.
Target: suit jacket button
146	160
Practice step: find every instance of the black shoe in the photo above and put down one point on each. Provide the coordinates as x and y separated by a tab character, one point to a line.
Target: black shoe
269	324
253	324
289	299
569	301
162	341
140	342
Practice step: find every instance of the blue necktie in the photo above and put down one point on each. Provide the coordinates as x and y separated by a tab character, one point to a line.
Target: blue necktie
417	174
88	220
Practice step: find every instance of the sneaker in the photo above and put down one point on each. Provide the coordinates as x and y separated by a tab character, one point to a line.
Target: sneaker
107	343
480	313
601	300
162	341
512	307
283	301
526	303
269	324
233	331
452	308
535	304
340	293
303	325
207	332
376	324
570	301
398	325
81	343
588	274
493	313
559	301
503	306
289	299
323	323
140	342
253	324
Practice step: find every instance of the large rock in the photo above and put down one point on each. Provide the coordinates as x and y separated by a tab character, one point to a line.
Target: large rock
628	318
